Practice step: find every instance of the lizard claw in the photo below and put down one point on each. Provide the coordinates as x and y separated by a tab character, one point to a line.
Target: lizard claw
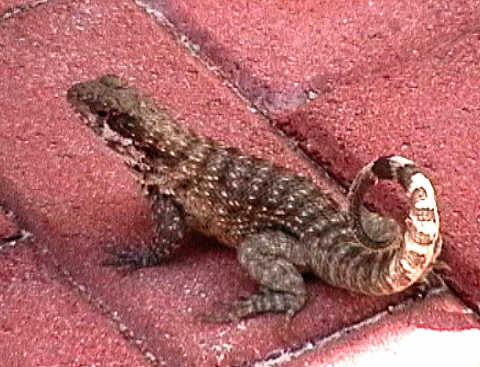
217	318
441	265
129	261
229	311
428	282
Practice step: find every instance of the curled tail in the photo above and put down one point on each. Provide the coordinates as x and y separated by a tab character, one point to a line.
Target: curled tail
414	254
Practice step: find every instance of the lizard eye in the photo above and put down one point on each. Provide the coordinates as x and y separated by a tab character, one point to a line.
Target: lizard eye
99	109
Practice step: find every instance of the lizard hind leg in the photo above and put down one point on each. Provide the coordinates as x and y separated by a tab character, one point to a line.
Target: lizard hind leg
169	233
273	259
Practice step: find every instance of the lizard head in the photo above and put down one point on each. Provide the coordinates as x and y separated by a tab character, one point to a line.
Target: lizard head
130	123
100	98
110	108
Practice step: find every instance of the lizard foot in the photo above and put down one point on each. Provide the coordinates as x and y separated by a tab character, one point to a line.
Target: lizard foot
131	260
428	282
266	300
441	265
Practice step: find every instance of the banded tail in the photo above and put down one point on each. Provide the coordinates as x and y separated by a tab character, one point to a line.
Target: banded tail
406	259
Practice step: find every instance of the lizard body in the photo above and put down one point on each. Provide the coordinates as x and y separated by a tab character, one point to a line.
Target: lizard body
281	224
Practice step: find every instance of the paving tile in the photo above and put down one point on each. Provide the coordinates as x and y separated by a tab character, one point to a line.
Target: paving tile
278	52
8	227
439	331
77	198
45	323
9	8
8	4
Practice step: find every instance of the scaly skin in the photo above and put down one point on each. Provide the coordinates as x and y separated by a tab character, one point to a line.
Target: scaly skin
281	224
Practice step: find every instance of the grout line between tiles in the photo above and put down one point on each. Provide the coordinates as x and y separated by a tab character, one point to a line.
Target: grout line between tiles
280	357
19	9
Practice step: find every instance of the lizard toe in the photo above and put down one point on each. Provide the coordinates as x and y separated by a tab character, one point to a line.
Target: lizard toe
130	260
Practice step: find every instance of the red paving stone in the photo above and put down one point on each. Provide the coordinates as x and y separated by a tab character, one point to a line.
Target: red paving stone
436	332
9	8
276	51
44	323
8	227
77	197
8	4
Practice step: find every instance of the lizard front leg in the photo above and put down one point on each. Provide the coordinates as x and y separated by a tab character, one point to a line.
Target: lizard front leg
169	233
275	261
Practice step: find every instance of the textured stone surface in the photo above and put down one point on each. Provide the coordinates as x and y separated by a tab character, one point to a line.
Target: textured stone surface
423	334
9	8
8	227
278	52
45	323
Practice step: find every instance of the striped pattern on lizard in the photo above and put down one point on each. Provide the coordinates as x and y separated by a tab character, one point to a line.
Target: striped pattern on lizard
280	223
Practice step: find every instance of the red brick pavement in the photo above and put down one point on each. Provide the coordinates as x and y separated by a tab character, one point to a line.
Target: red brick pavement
76	197
412	335
46	323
